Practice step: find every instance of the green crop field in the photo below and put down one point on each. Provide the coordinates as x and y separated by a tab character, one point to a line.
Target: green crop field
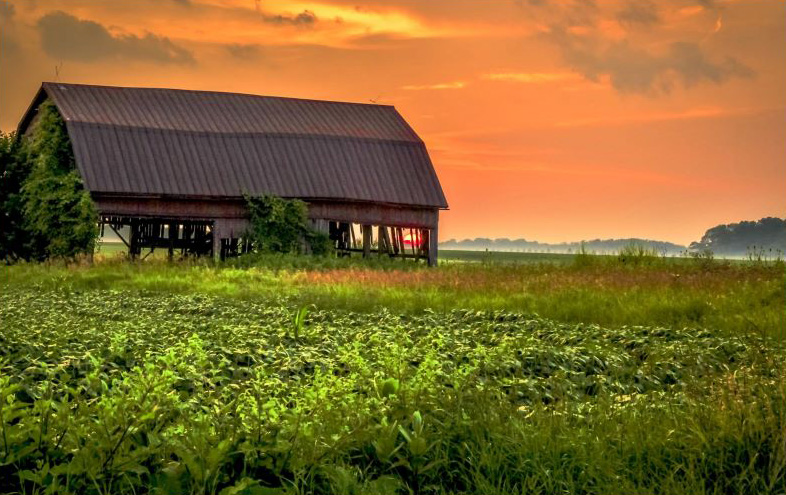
286	375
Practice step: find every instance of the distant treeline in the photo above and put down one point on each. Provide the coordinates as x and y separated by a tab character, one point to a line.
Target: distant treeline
765	237
598	246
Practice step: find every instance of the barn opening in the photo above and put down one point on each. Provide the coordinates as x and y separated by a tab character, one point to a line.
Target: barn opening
168	169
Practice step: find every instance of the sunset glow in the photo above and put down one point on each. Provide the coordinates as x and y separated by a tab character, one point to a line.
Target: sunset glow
547	120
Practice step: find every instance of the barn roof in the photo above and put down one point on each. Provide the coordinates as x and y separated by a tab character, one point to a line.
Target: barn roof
166	142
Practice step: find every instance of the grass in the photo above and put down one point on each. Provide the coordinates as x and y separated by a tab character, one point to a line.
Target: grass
737	297
281	375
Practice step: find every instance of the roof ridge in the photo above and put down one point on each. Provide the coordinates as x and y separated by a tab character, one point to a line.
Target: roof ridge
417	140
150	88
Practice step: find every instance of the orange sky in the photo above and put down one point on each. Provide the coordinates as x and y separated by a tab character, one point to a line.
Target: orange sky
549	120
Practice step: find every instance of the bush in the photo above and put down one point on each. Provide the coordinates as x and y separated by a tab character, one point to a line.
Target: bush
16	241
46	210
638	254
280	225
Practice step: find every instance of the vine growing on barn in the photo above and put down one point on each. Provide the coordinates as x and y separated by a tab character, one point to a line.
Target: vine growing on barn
56	207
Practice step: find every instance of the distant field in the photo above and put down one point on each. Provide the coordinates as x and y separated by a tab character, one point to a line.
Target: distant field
288	375
113	248
503	257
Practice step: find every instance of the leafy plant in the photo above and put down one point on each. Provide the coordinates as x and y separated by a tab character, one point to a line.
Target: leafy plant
280	225
202	393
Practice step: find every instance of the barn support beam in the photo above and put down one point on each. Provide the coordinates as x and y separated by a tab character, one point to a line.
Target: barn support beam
190	237
117	233
433	242
383	241
367	233
133	240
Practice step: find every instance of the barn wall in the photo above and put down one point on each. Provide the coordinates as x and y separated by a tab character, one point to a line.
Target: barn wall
375	214
362	213
229	219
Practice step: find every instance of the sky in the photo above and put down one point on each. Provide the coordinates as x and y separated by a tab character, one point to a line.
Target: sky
546	120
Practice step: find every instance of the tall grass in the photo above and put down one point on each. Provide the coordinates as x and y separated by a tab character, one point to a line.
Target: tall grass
736	297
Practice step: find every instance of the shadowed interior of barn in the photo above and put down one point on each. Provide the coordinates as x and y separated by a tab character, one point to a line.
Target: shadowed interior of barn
167	169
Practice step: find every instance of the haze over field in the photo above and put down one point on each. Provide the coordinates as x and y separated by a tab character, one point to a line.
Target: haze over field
765	237
545	120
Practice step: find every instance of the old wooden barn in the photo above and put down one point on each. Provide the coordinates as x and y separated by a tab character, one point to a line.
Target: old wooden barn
170	167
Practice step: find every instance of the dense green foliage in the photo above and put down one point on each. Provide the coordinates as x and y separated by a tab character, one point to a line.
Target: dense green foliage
46	212
108	391
57	207
765	237
17	241
288	377
280	225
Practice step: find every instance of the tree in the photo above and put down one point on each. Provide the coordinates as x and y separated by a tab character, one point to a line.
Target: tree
738	238
16	240
59	218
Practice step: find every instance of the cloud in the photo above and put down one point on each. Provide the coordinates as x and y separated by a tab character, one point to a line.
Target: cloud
448	85
8	44
305	19
709	4
581	32
244	52
631	69
641	12
7	11
66	37
590	47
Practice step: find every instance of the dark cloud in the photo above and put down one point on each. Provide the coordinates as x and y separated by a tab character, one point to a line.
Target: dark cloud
641	12
582	13
7	11
630	66
568	12
305	18
244	52
693	67
634	70
65	37
709	4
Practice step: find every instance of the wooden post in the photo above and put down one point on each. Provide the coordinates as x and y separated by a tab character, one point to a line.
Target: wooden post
132	240
366	240
173	228
433	241
397	247
383	241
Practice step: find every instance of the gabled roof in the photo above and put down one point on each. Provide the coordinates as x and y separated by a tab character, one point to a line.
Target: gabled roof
166	142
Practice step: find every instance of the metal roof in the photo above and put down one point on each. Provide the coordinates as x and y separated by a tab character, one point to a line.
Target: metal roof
147	141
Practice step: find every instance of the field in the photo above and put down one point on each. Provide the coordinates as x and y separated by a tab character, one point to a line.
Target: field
555	374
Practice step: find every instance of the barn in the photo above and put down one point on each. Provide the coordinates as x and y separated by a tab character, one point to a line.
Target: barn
168	168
